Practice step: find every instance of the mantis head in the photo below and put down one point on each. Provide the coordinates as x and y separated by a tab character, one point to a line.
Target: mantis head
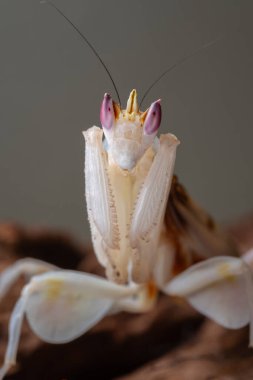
129	132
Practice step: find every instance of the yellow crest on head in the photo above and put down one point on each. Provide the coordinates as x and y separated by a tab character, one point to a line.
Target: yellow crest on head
132	104
132	111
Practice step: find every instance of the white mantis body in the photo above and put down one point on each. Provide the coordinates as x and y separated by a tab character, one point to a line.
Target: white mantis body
141	235
146	232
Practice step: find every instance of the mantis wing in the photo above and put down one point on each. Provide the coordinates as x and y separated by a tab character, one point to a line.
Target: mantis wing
219	288
61	306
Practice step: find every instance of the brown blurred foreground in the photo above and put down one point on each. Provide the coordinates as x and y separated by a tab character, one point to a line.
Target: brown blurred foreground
171	342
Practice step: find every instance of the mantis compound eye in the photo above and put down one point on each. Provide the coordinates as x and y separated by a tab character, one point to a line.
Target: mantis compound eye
153	118
107	116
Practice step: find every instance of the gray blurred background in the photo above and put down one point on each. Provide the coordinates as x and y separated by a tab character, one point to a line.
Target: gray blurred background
51	87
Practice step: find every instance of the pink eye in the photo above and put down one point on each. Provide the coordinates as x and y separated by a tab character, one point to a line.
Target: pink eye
107	116
153	118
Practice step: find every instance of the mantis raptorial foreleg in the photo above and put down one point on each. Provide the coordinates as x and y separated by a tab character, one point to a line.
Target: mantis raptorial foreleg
99	197
149	210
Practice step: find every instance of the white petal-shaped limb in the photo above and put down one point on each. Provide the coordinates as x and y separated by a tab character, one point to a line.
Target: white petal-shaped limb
63	305
220	288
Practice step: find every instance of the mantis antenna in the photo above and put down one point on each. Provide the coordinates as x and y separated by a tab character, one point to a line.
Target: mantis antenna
181	61
87	42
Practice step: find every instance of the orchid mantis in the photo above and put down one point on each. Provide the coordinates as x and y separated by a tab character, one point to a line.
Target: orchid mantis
147	233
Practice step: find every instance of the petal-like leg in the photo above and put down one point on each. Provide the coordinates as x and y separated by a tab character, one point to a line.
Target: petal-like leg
28	267
149	211
14	335
63	305
217	288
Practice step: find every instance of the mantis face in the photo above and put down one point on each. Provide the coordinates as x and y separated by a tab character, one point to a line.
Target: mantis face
130	132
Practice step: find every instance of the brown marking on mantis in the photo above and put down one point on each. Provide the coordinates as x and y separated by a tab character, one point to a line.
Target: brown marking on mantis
152	290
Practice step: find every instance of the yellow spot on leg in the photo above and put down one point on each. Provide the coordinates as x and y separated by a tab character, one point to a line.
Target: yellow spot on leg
224	270
54	288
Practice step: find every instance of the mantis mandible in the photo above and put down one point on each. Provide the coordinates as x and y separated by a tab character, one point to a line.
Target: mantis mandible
147	233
